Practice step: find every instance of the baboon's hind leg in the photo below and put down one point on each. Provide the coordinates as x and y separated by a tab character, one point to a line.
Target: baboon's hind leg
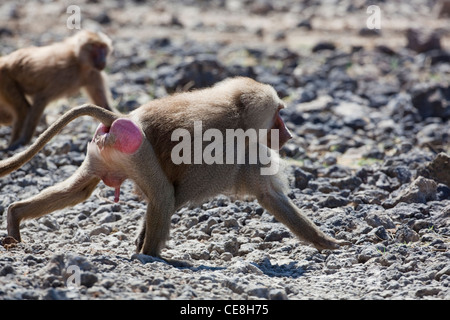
67	193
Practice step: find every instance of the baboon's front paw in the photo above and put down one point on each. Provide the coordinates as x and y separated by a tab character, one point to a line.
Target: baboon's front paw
330	244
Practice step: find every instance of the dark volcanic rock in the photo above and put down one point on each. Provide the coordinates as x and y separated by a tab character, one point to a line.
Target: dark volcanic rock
323	46
420	190
438	169
431	100
198	72
422	41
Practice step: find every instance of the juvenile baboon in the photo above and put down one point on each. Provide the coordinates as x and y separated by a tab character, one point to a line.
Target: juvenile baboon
30	78
138	147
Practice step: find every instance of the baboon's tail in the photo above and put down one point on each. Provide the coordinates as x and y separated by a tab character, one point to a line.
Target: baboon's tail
15	162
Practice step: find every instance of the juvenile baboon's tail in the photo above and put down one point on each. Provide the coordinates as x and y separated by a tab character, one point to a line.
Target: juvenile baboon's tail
15	162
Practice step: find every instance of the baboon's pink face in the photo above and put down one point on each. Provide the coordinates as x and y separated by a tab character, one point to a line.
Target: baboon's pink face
283	132
99	53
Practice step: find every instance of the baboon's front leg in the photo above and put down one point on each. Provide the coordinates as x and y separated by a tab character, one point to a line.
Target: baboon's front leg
67	193
270	193
286	212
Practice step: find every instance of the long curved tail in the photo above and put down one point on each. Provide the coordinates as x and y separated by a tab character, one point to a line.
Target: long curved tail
15	162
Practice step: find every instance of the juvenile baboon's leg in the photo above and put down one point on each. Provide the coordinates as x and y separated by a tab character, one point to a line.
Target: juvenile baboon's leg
31	122
67	193
97	91
15	98
5	117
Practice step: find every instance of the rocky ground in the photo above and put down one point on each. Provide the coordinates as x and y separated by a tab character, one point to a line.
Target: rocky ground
369	161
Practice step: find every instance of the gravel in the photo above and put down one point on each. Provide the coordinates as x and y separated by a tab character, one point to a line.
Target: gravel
368	163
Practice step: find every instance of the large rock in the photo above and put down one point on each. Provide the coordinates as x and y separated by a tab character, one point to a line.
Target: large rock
420	190
201	71
422	41
431	100
438	169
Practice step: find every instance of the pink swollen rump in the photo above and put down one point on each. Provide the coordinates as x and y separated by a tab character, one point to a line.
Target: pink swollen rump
123	136
127	135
